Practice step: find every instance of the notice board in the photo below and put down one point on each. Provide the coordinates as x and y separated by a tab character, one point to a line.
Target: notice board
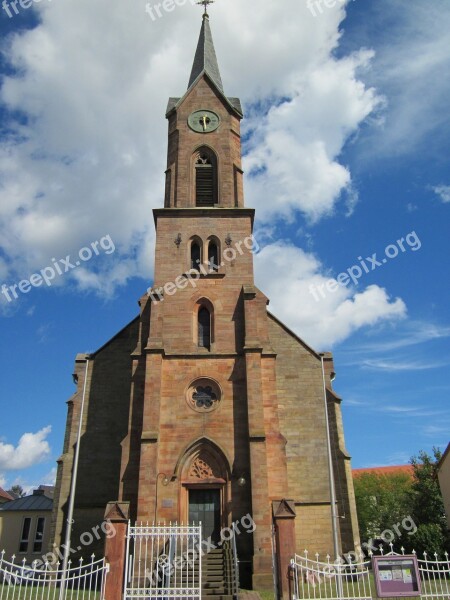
396	576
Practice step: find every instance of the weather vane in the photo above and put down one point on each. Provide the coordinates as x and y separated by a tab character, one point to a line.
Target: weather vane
206	3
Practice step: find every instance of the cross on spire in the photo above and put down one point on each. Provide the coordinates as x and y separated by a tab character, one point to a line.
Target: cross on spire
206	3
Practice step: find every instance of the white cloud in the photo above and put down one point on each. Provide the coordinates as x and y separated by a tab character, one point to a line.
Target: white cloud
443	191
412	59
50	477
293	161
412	334
2	481
93	80
396	365
286	273
33	448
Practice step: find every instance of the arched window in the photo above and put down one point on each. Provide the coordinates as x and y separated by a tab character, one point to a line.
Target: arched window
213	256
204	328
196	256
205	178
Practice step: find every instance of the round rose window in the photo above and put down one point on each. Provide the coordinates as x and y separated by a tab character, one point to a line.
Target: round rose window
204	395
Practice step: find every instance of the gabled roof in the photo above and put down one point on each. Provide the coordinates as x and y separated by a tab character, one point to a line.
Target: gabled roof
295	336
205	60
37	501
5	495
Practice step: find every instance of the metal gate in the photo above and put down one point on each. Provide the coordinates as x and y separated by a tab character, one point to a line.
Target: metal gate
49	582
163	562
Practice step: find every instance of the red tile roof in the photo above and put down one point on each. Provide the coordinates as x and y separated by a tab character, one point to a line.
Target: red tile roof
5	495
397	470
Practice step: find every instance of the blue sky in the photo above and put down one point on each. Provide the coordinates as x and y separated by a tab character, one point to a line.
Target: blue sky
346	157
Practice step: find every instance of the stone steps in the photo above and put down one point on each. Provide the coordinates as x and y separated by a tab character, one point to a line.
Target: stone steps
217	570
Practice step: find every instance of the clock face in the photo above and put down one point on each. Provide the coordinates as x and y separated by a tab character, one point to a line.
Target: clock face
204	121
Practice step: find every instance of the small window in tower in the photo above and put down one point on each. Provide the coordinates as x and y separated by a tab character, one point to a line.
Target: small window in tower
205	179
213	256
196	256
204	328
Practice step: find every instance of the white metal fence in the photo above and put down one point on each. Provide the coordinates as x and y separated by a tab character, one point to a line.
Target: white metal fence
348	580
435	576
81	581
163	562
314	579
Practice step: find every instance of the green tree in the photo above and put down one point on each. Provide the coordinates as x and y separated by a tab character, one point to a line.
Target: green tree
428	507
383	501
18	491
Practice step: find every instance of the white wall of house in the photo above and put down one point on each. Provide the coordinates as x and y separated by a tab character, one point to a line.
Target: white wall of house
25	534
444	482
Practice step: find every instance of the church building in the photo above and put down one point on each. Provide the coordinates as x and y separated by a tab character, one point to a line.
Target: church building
206	407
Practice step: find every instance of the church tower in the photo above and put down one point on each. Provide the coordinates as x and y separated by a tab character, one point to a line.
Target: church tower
206	407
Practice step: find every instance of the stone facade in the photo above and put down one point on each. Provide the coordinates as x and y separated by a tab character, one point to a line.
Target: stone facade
243	415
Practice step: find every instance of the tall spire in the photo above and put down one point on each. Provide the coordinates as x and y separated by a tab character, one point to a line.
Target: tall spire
205	60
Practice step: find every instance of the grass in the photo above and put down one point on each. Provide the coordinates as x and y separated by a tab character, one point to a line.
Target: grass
324	590
19	592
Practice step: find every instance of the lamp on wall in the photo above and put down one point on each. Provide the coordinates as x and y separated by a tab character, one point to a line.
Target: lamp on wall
241	478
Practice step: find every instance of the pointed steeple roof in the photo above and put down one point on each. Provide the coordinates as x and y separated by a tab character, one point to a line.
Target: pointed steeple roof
205	60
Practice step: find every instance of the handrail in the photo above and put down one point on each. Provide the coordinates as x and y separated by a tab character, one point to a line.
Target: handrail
236	569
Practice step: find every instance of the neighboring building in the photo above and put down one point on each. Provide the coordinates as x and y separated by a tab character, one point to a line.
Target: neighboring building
206	407
443	469
25	526
396	470
4	496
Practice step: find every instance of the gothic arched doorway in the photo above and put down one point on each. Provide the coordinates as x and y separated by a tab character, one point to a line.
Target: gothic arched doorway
205	488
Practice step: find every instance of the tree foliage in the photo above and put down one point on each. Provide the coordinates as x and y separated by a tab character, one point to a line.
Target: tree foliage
428	506
383	501
17	490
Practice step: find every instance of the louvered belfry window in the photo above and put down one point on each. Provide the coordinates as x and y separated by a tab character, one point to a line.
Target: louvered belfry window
204	328
205	180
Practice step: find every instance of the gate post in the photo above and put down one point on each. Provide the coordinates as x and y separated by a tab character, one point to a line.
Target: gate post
283	517
116	517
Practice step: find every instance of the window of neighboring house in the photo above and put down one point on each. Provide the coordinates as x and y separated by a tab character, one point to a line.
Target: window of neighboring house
196	256
39	535
204	328
25	537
